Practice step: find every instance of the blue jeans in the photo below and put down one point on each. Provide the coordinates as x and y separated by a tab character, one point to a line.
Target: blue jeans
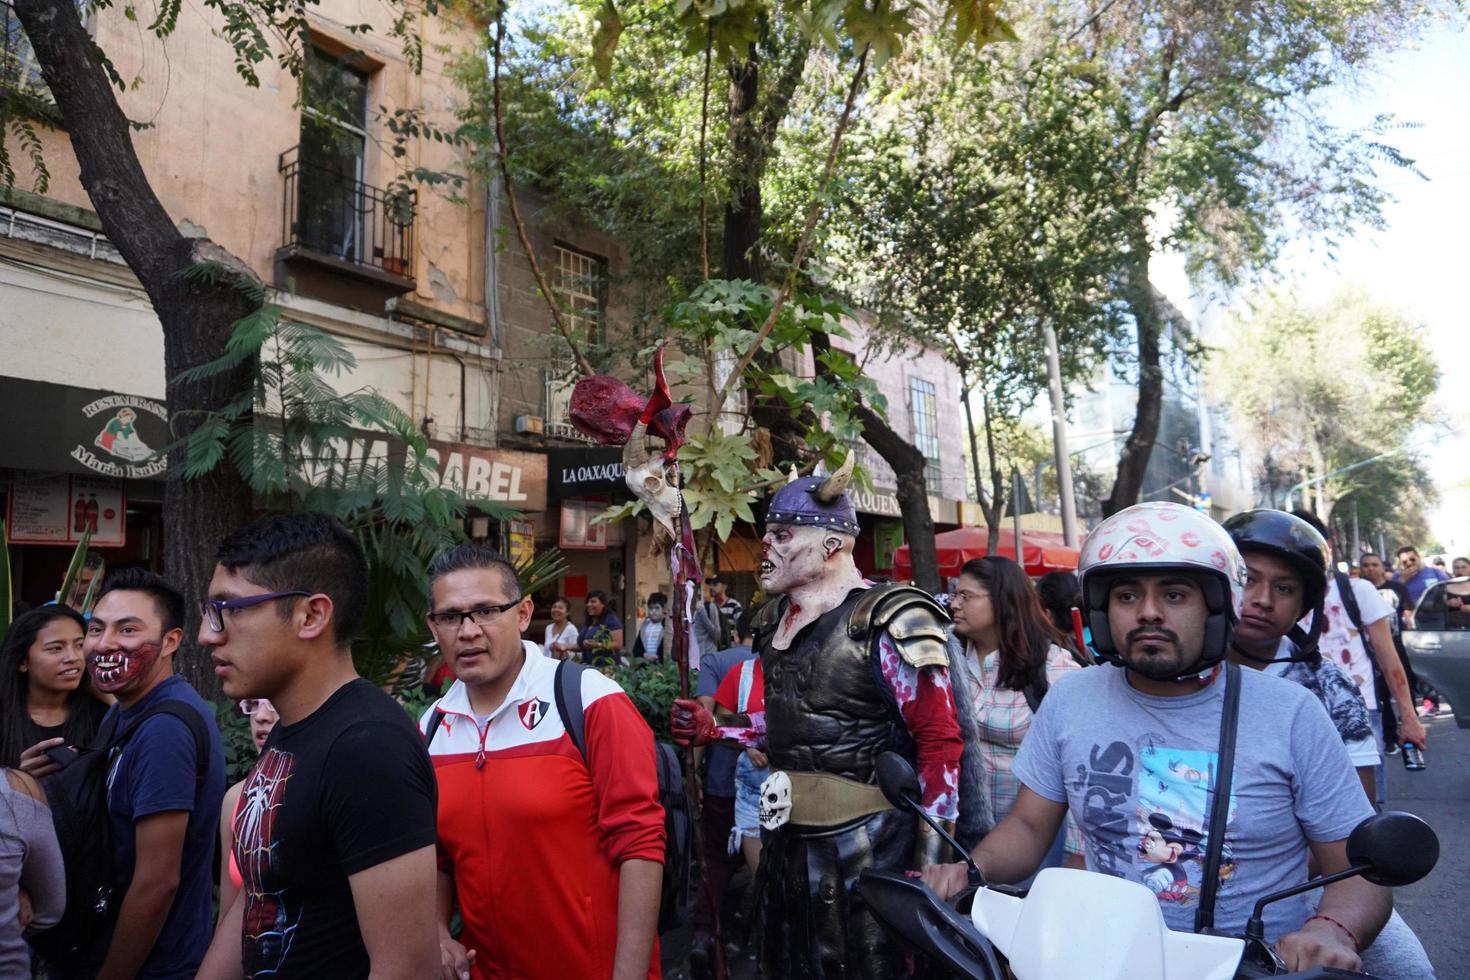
748	779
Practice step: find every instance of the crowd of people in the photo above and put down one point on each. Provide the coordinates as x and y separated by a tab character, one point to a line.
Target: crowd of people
519	828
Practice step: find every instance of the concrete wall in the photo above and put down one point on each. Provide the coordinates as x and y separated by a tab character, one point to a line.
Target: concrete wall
59	327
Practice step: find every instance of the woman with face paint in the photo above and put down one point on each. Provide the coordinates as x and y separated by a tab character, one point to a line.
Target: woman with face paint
263	718
45	694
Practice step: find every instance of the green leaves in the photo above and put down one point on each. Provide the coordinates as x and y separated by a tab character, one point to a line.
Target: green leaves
1349	379
719	480
978	21
302	445
74	567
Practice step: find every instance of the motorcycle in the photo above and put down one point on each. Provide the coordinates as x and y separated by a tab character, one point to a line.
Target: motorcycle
1034	934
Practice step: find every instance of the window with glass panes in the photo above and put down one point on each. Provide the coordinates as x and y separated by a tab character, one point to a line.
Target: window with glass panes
19	70
331	201
924	413
579	288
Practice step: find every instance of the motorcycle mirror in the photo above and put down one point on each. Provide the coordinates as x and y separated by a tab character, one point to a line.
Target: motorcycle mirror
898	781
1394	847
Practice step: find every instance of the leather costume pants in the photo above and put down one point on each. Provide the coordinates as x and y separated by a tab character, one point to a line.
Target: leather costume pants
815	926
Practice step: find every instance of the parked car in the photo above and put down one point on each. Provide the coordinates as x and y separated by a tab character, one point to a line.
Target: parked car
1439	643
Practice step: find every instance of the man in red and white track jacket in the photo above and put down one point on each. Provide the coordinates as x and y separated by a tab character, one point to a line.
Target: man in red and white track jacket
556	862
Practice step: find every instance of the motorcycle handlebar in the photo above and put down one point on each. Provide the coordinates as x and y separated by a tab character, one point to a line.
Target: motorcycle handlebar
918	917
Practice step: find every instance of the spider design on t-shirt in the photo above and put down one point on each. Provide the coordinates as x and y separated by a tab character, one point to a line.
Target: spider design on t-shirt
269	922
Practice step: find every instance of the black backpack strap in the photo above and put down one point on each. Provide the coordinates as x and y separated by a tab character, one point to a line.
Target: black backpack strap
1350	601
1036	690
569	703
435	720
184	712
1204	916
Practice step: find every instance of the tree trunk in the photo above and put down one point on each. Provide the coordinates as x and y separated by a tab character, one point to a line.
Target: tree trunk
1143	302
997	488
196	314
987	504
744	211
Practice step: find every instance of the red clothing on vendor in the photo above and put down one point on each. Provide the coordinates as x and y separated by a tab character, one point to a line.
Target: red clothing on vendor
534	836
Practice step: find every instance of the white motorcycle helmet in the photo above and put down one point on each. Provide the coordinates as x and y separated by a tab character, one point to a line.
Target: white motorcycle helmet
1157	537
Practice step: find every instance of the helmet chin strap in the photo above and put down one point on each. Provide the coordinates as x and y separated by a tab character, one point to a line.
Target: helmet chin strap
1304	641
1201	667
1196	672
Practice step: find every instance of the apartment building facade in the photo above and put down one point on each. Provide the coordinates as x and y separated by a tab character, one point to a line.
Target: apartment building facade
302	184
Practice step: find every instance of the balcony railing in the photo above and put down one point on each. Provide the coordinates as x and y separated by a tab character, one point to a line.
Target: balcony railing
329	212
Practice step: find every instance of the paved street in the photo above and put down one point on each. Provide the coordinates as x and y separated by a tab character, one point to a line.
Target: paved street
1436	907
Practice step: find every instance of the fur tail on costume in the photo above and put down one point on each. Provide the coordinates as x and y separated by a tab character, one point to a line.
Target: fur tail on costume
975	818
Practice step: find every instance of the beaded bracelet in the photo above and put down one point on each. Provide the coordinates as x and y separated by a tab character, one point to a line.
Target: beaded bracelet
1357	946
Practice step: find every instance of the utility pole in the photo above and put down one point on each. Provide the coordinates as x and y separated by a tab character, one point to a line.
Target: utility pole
1016	492
1059	437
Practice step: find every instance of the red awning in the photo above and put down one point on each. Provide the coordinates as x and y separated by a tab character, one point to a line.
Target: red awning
1043	551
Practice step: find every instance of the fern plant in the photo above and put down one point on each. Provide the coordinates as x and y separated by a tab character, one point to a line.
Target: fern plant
302	445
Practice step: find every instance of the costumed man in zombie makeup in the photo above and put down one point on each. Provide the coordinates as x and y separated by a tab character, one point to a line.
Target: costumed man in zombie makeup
851	671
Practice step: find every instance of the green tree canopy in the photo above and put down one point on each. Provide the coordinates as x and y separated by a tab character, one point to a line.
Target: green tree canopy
1317	388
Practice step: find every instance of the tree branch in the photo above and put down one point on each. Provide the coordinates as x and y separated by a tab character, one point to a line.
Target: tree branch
803	243
584	365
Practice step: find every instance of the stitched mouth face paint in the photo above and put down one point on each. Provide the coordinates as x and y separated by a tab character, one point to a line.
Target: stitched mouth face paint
113	670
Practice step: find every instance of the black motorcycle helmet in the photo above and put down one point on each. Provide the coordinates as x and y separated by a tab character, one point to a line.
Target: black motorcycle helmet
1300	545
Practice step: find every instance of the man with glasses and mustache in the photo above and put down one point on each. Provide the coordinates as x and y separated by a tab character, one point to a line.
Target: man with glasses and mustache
551	841
1415	575
334	835
164	785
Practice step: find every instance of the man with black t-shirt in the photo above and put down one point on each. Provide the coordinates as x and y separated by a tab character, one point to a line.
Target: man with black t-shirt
334	835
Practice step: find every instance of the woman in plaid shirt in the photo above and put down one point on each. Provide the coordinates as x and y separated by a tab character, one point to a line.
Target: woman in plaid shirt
1008	641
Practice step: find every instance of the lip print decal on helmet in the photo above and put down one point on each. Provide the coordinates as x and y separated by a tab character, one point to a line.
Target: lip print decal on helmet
1154	537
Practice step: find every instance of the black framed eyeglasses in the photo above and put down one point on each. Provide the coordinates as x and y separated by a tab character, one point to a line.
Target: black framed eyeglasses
480	615
213	610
